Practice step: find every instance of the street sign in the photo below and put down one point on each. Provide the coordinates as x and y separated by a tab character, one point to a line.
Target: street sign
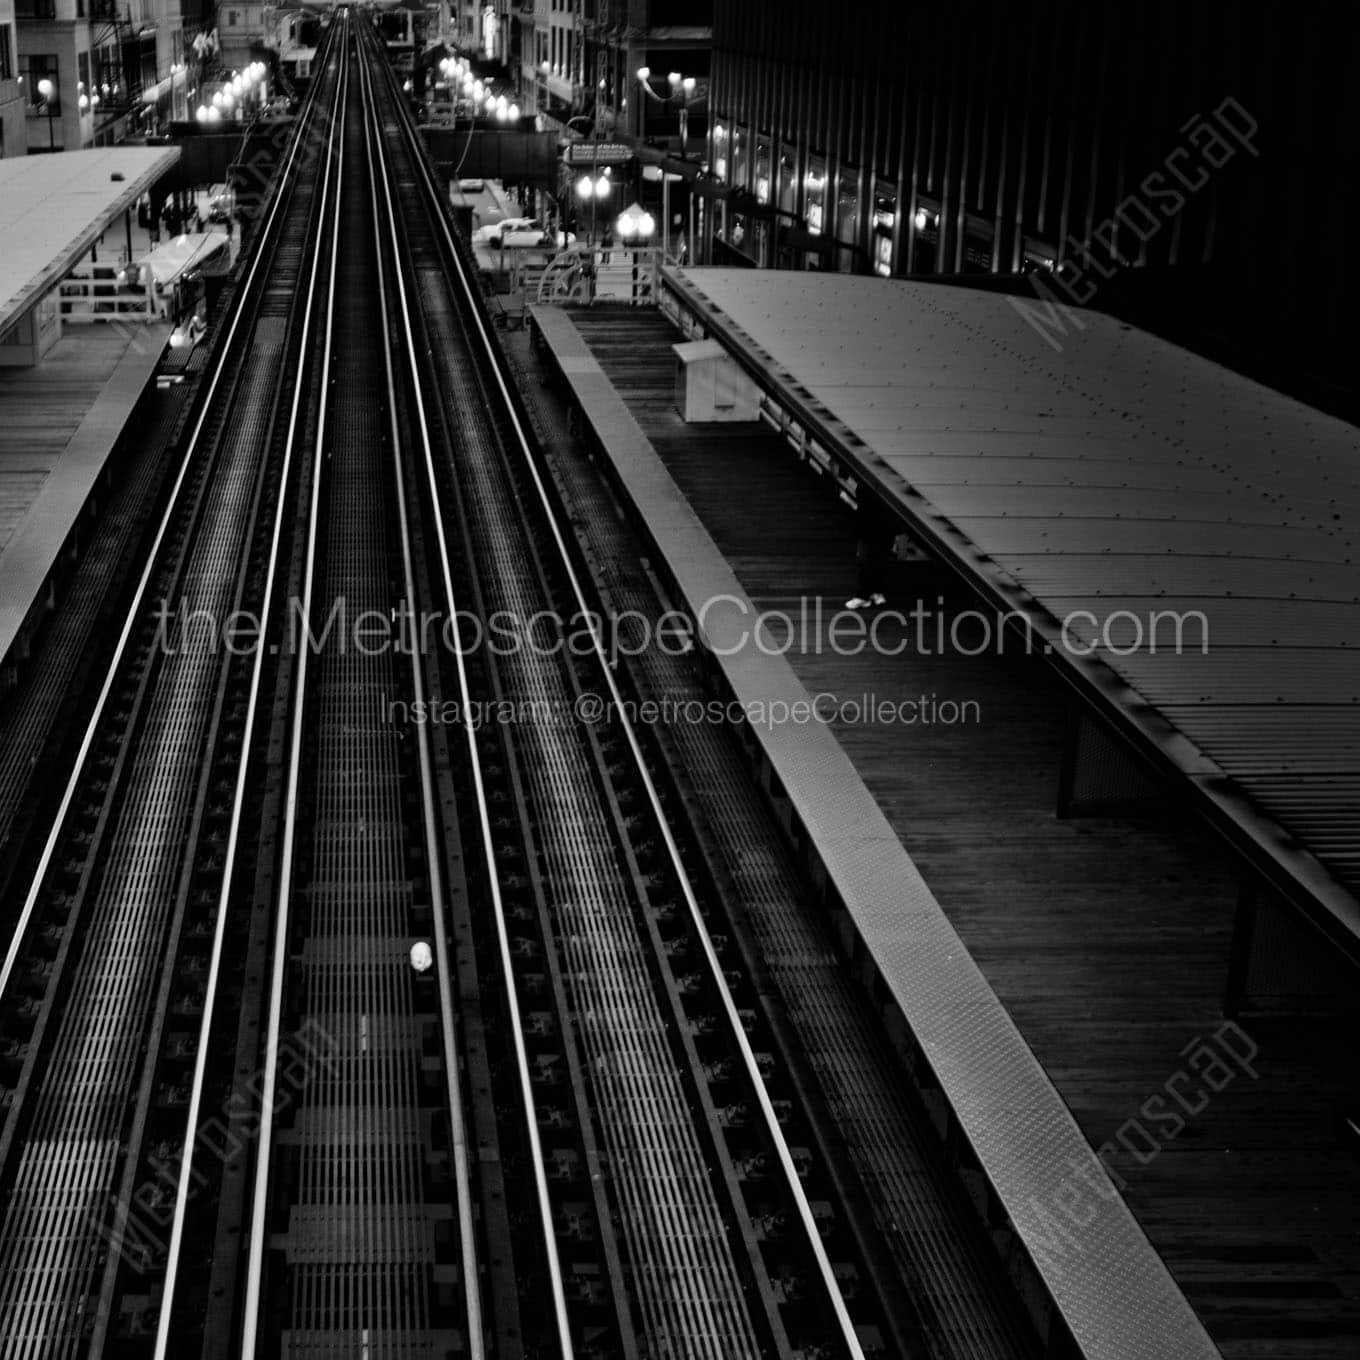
602	153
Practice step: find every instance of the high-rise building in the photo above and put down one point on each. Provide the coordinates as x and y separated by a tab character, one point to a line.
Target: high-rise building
13	132
1079	141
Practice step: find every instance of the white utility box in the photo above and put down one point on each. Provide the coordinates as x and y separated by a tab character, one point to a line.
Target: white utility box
709	384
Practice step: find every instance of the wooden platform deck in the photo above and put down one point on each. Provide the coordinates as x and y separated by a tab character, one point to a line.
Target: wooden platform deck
58	424
41	409
1106	939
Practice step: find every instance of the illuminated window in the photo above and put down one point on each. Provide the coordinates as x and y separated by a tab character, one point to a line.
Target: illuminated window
814	195
788	181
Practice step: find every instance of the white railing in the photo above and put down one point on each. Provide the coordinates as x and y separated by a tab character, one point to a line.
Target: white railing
587	274
97	292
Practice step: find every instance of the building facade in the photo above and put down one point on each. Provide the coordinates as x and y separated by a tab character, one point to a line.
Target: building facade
625	83
13	118
579	59
244	29
94	71
1073	140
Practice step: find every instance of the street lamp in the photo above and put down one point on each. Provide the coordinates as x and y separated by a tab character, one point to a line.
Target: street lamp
635	224
593	191
47	90
635	227
681	88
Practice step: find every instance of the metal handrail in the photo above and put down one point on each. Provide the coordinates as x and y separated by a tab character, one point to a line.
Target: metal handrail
618	272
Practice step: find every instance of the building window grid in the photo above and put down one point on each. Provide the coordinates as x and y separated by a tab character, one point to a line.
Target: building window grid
892	137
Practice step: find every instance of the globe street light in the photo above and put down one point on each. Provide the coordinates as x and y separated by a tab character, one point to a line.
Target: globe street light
594	191
635	227
47	90
679	90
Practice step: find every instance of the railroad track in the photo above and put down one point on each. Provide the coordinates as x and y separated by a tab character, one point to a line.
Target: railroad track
954	1295
104	971
703	1224
241	1120
357	1227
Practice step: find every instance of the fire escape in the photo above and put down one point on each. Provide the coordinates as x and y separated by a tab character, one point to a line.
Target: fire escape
120	86
603	23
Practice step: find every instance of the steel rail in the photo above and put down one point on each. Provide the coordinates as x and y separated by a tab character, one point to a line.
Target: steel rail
559	1303
377	165
223	355
183	1188
689	1282
260	1200
619	711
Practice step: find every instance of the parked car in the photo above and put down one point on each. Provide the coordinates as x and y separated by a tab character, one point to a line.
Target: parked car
492	233
519	232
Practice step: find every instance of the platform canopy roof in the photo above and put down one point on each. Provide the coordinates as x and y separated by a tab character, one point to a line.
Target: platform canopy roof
54	207
1081	471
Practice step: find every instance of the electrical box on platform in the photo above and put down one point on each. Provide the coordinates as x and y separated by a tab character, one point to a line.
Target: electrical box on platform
709	384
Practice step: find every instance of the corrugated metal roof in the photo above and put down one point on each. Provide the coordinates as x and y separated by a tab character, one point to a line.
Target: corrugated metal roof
1115	472
53	207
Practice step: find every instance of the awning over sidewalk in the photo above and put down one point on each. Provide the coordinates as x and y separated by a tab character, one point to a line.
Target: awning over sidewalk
162	88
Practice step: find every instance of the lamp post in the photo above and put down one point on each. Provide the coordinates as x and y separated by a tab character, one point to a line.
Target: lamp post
593	191
635	227
678	88
565	143
47	90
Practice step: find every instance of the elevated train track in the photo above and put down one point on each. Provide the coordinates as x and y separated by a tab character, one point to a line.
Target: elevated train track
238	1121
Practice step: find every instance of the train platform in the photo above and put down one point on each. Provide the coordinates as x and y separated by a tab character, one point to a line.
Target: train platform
66	390
1177	539
1050	968
59	423
53	209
